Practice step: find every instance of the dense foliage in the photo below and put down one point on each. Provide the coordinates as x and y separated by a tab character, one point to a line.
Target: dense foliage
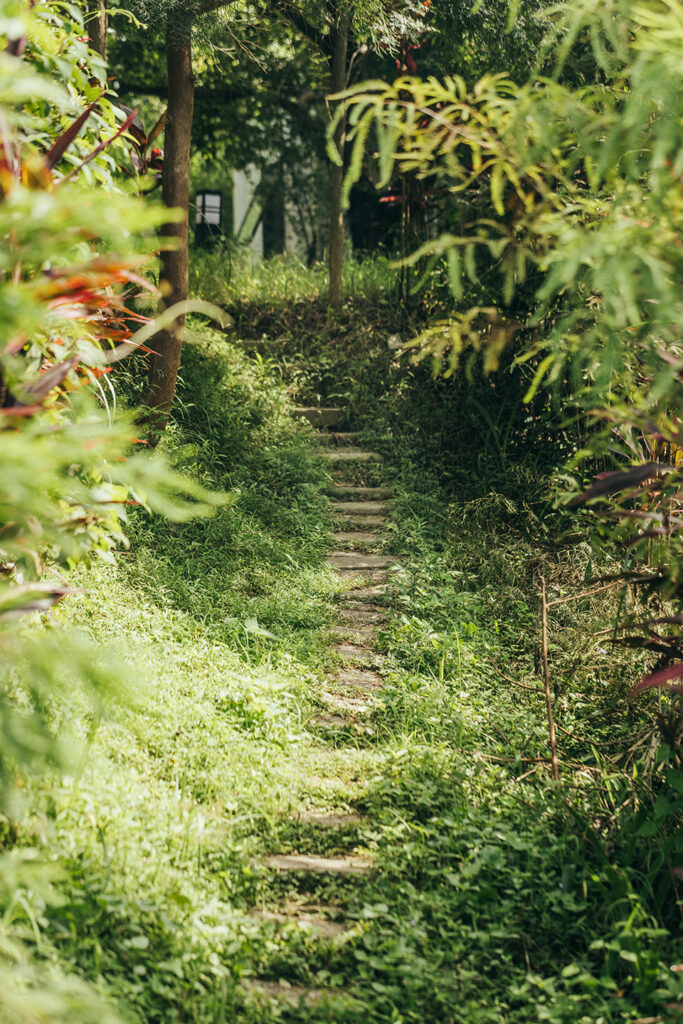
564	231
73	247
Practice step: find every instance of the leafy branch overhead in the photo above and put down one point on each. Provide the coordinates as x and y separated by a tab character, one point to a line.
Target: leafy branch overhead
72	304
567	203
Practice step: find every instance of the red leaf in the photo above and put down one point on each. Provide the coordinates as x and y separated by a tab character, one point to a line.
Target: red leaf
59	148
608	483
32	597
660	679
45	382
656	531
103	145
21	410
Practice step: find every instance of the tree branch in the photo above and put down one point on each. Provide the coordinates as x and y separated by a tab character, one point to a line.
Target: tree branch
301	23
214	5
226	94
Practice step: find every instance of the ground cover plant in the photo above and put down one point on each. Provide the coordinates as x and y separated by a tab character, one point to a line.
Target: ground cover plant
509	803
564	896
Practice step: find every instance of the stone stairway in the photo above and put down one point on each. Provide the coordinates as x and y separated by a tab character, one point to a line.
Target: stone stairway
360	508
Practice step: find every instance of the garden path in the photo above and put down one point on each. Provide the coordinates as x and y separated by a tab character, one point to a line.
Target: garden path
361	507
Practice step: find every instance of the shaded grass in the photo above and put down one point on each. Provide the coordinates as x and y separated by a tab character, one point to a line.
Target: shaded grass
227	276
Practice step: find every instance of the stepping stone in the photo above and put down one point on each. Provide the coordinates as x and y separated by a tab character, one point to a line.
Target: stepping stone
359	560
329	819
319	865
331	722
360	520
362	594
328	929
356	537
355	705
362	616
292	995
348	455
350	652
362	578
359	493
363	635
364	680
349	509
320	417
333	437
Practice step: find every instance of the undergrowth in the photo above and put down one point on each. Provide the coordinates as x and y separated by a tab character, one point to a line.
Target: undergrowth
496	895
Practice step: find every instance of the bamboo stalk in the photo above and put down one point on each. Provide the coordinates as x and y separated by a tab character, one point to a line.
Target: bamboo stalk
546	683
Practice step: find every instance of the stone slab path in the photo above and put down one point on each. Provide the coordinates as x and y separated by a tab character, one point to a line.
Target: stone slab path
360	510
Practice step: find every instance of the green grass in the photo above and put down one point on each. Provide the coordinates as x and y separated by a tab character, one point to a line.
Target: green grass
227	276
496	897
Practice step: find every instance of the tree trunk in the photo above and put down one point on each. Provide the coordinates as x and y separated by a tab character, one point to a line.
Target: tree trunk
167	344
338	81
97	26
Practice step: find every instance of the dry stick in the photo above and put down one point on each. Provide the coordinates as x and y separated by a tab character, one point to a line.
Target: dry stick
584	739
509	679
499	759
532	760
546	683
586	593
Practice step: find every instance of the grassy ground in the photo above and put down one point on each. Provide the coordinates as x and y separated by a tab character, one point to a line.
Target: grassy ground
496	896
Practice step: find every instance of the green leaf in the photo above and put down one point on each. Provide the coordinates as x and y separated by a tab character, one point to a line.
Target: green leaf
454	272
497	185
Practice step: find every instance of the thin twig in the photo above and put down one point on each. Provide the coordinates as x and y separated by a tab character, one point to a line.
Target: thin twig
509	760
583	739
533	760
515	682
546	683
526	774
586	593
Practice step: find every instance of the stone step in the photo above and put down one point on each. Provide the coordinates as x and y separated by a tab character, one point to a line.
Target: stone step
364	680
356	509
362	615
359	581
320	865
356	653
353	492
363	635
332	721
363	578
359	521
370	592
329	819
327	929
283	992
350	454
338	438
326	416
348	704
325	721
356	537
359	560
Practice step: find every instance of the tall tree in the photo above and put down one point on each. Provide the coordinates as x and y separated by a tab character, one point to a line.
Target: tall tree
341	34
98	26
339	79
165	357
180	20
